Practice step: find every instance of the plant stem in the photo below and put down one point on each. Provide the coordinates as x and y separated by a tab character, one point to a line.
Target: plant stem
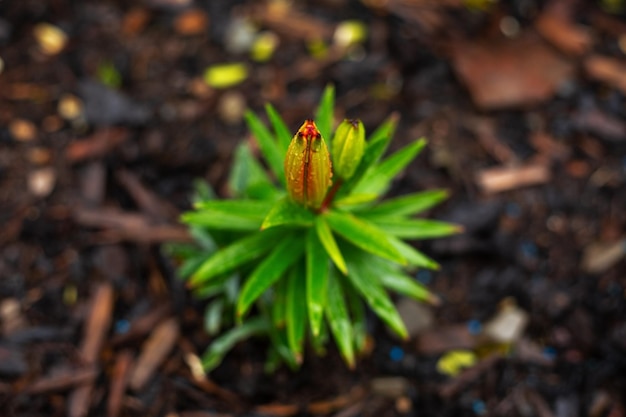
330	196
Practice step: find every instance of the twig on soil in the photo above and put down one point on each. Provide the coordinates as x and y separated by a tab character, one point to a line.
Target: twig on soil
96	328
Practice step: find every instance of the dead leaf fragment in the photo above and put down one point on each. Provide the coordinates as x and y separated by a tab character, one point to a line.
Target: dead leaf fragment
498	75
559	31
154	352
608	70
191	22
599	257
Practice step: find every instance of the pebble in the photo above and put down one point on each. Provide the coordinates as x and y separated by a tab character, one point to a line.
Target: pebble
231	107
416	316
70	107
41	181
508	324
22	130
51	39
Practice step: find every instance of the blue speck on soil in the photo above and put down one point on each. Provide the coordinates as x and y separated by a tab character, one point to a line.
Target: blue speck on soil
474	326
424	276
122	326
396	354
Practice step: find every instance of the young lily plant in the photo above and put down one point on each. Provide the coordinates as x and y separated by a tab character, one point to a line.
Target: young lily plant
303	248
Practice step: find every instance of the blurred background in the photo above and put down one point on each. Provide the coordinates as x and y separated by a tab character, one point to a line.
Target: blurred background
110	110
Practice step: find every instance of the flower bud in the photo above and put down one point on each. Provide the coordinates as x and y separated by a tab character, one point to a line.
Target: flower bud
348	147
307	166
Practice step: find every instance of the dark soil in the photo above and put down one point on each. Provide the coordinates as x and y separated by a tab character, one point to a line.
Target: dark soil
524	106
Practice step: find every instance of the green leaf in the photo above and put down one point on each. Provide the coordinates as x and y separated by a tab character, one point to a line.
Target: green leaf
324	114
366	282
280	128
278	306
412	255
228	214
296	311
284	254
254	209
325	236
220	346
247	178
190	265
202	191
398	281
339	321
216	286
378	179
213	316
363	235
219	220
355	200
268	145
281	346
382	135
359	324
287	212
416	228
316	280
237	254
319	342
406	205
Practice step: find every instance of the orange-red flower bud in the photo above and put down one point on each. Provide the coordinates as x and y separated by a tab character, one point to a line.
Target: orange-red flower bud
307	166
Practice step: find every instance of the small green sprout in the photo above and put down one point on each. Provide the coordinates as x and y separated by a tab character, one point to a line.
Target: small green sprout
301	250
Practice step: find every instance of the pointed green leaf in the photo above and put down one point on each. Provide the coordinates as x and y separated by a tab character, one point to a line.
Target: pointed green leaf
280	128
382	135
359	324
378	179
325	235
398	281
267	144
220	346
406	205
319	342
366	281
202	191
281	345
417	228
219	220
213	316
339	321
215	286
237	254
284	254
316	280
247	178
363	235
412	255
296	311
355	200
228	214
254	209
288	212
278	306
324	114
